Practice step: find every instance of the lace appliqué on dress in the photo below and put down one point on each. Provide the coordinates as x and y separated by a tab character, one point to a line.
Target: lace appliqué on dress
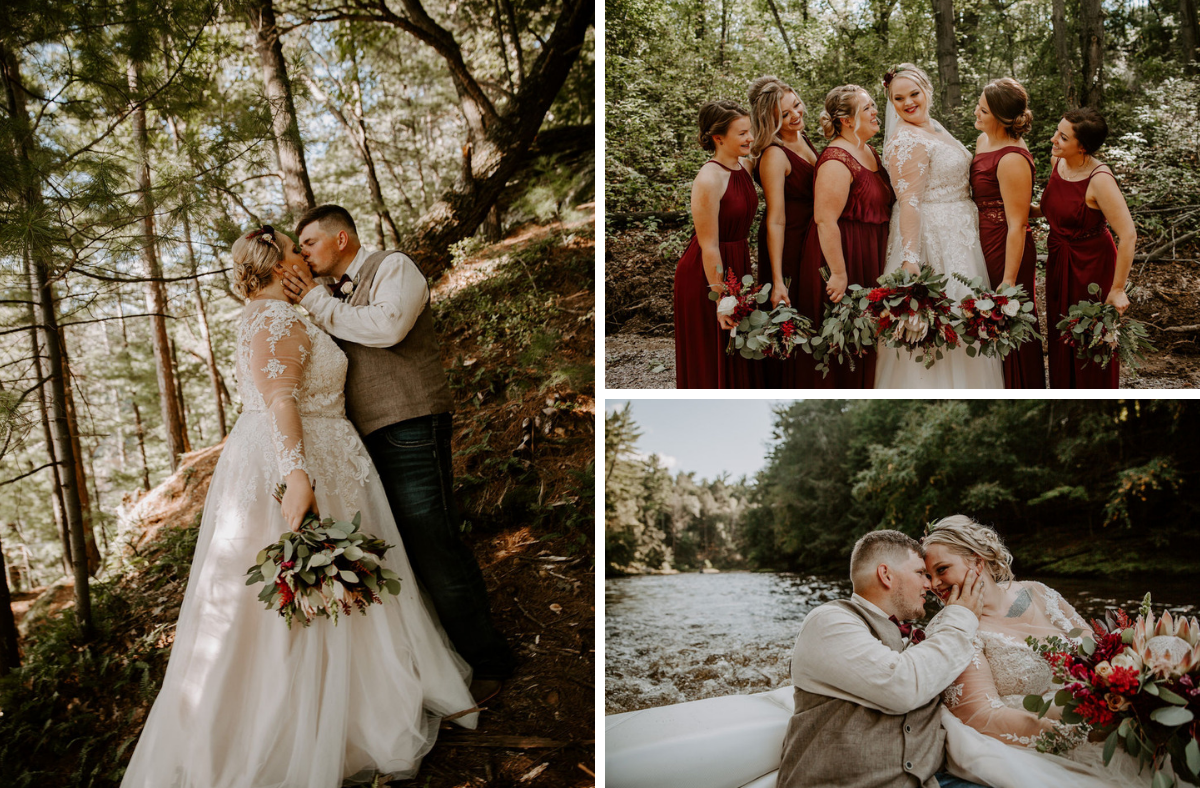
952	695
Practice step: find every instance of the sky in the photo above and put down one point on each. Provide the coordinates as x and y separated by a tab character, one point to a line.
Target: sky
709	437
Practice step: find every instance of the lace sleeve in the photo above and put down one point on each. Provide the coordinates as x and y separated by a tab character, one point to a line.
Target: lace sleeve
1060	612
907	162
974	699
279	350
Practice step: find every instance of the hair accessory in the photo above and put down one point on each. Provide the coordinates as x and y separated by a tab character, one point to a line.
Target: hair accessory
888	77
266	235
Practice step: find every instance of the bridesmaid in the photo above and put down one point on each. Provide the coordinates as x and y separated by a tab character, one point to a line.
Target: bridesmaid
1002	175
784	166
852	207
724	203
1081	195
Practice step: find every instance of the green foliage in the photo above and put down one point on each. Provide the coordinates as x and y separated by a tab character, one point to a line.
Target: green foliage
60	708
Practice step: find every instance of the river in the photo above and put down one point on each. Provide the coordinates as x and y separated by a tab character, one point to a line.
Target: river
674	638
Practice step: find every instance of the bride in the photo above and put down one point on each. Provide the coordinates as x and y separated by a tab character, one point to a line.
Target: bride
246	702
989	734
934	223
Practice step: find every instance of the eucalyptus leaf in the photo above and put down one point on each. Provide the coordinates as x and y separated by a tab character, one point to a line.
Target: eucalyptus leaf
349	576
334	533
1192	754
1110	746
393	587
1172	716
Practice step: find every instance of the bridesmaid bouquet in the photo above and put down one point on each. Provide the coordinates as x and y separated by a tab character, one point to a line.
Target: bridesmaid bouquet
1098	332
324	566
999	322
761	334
1134	683
912	313
847	331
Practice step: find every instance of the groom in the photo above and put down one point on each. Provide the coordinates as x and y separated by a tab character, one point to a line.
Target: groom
396	395
868	687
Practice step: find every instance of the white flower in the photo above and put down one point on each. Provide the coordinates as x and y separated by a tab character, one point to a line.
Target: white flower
913	329
1011	308
726	305
347	288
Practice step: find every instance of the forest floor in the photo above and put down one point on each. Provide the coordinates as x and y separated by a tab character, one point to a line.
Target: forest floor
639	343
517	326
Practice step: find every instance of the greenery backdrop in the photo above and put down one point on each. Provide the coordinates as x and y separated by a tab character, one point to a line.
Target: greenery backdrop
1084	487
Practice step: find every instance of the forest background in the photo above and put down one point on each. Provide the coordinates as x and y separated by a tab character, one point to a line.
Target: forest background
1089	488
138	139
1135	60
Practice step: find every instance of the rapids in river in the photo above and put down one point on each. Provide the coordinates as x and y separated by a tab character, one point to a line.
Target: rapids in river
675	638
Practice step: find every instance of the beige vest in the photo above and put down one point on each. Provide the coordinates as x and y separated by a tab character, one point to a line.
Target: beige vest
389	385
834	742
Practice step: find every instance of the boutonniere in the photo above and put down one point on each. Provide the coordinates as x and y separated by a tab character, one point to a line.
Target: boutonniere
343	288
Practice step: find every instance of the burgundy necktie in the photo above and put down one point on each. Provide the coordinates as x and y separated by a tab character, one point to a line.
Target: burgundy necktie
914	634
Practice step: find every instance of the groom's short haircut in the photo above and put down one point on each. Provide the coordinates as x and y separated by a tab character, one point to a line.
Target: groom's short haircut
880	547
331	218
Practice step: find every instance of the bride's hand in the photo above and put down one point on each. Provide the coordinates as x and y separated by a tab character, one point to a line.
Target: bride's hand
298	500
969	594
911	268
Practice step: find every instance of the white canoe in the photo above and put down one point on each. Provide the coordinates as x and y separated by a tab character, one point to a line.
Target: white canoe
729	742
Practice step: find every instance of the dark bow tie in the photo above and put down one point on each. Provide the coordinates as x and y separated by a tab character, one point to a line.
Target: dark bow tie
914	634
336	288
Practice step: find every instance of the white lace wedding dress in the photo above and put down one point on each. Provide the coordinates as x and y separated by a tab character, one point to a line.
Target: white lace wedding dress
935	223
990	736
246	702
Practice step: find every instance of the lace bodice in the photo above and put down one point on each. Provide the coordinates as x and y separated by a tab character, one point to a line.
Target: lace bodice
989	694
926	169
288	370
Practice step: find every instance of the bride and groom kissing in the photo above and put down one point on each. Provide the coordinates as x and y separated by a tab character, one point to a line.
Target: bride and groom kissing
880	703
348	406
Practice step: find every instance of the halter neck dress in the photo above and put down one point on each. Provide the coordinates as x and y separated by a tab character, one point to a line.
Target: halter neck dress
1024	368
1081	251
700	342
798	212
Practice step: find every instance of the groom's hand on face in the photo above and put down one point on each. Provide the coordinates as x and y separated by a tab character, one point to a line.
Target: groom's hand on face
969	594
297	282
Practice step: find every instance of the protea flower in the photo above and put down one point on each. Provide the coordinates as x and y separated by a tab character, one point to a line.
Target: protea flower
1170	648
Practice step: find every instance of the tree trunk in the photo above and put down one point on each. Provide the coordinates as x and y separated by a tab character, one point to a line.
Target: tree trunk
1062	51
89	536
1091	22
156	300
141	439
947	55
10	652
783	34
1189	34
187	441
496	142
297	191
56	498
210	358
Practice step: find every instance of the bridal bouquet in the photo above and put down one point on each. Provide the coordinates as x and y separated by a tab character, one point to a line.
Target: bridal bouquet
1137	683
998	321
847	331
912	313
1098	332
324	566
761	334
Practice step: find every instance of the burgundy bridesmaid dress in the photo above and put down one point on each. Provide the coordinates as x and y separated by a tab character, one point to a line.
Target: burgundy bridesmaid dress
864	230
700	358
798	210
1023	368
1081	252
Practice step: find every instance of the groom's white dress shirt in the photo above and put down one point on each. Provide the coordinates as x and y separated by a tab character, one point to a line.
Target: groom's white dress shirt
837	655
398	295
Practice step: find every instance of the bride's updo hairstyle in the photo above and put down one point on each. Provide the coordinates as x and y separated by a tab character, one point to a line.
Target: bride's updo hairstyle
915	73
254	255
715	119
1009	104
1090	128
841	104
967	538
765	118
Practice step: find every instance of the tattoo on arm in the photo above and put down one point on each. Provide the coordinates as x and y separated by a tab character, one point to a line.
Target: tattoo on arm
1020	605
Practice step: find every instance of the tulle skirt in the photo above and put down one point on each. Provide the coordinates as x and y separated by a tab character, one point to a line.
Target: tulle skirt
248	703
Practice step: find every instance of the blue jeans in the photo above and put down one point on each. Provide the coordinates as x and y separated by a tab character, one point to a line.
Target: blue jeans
414	462
947	780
